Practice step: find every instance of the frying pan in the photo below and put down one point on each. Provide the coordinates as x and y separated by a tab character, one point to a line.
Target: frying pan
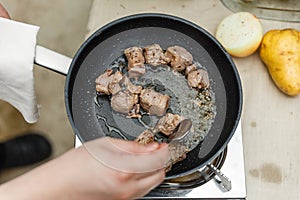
108	43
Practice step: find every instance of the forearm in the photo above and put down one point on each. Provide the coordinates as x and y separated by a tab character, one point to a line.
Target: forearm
78	175
68	177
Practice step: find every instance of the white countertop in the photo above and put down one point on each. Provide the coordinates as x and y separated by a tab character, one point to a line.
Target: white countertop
270	119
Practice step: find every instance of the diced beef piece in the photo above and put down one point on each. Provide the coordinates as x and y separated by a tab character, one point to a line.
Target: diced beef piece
114	85
123	102
103	81
168	123
146	137
198	79
190	68
154	55
108	82
136	60
153	102
179	57
134	56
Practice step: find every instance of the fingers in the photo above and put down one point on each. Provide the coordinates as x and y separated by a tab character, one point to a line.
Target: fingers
128	156
3	12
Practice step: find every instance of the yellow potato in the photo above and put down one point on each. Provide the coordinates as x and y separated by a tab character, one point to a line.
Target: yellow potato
280	51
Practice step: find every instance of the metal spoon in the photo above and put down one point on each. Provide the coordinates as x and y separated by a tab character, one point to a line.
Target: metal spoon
181	130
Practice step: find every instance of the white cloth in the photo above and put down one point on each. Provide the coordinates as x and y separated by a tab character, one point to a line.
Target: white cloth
17	52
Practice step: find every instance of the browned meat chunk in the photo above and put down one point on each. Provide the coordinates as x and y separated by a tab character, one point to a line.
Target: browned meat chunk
198	79
103	81
136	60
190	68
179	57
146	137
153	102
154	55
168	123
114	84
123	102
108	82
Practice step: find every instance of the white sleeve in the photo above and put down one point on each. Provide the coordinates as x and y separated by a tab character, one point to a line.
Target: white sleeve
17	52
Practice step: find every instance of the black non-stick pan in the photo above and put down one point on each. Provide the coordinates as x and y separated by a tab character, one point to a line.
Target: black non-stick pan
108	43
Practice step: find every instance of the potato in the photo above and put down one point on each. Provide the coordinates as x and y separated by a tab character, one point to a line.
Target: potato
240	33
280	51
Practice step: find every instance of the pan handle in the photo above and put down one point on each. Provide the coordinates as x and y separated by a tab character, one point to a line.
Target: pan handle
52	60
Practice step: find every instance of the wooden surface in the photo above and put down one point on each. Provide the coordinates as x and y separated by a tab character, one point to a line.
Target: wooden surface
270	119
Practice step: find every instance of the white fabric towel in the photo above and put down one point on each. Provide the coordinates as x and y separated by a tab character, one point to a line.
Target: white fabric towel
17	52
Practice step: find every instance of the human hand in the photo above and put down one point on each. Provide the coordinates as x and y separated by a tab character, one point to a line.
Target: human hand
78	175
3	12
128	169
